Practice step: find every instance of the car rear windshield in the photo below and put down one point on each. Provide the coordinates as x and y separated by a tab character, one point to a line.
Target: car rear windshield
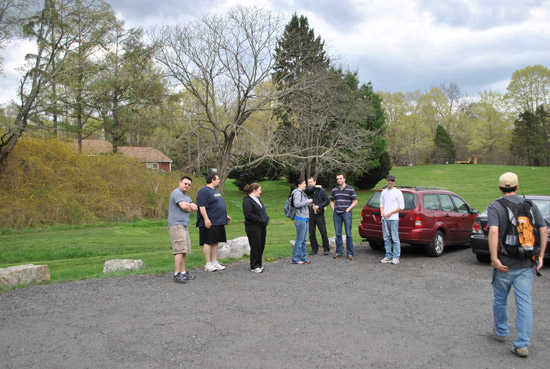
408	197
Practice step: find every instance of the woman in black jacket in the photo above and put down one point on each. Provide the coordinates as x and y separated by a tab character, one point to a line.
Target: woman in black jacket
255	223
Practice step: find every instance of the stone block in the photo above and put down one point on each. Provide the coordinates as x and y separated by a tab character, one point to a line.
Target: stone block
235	248
23	274
122	265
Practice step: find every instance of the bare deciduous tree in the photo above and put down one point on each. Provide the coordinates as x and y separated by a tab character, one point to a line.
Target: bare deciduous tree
221	62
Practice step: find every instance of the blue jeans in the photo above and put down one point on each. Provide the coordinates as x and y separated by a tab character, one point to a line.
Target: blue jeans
299	251
390	230
338	219
521	279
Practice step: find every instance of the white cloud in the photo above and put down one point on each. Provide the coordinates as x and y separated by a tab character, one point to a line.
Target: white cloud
399	45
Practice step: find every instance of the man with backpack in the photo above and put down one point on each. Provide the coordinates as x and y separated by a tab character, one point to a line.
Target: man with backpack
517	242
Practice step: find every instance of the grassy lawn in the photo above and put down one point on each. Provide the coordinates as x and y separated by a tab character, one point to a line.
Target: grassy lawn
78	252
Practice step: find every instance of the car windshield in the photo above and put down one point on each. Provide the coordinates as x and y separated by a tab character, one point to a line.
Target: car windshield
543	205
409	198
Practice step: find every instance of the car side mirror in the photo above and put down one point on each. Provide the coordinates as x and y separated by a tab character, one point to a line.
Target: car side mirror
474	211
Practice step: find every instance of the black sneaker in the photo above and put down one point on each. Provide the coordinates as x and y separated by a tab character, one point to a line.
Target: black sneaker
326	253
188	277
178	278
313	253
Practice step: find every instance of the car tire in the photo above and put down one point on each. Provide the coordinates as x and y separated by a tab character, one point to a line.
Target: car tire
437	246
482	258
376	245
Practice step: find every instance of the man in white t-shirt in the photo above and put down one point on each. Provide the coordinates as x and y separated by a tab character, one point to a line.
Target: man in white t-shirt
391	202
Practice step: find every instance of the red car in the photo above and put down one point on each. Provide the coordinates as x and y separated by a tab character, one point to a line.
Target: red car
433	218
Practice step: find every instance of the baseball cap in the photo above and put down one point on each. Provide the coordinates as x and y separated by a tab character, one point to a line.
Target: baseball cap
391	177
508	180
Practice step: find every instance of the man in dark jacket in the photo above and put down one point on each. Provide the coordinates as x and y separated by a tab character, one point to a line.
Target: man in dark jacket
317	216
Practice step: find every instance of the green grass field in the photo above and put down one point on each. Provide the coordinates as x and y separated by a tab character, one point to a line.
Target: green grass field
78	252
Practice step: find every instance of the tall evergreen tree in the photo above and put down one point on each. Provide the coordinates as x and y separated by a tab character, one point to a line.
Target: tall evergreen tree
530	137
374	121
444	151
298	53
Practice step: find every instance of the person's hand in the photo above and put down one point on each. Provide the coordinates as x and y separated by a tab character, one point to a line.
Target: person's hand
539	265
207	223
229	218
499	266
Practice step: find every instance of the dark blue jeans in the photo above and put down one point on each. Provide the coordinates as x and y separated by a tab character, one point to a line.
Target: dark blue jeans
344	218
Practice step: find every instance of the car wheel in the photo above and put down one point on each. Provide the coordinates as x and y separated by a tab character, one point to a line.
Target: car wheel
436	247
483	258
376	245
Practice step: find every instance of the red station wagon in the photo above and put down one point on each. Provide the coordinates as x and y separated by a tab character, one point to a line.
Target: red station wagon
432	217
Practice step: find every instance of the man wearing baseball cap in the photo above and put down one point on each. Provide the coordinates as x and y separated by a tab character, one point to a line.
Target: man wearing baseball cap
511	271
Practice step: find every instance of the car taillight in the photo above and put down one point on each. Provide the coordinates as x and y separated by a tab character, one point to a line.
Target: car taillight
476	228
418	222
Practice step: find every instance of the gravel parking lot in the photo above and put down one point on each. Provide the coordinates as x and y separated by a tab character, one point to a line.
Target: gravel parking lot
423	313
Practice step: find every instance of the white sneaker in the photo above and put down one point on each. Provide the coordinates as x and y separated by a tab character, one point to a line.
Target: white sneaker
217	265
395	261
210	268
385	260
257	270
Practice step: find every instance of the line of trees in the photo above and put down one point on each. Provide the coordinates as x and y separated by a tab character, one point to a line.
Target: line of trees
443	125
246	85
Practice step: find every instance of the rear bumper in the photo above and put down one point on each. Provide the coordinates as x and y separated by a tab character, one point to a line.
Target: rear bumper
479	244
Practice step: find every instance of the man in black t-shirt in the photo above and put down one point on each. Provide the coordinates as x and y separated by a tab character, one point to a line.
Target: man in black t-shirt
509	271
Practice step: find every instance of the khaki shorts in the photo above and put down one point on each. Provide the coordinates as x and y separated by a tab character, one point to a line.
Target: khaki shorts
179	235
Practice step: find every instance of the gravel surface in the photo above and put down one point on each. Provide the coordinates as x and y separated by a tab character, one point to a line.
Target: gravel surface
423	313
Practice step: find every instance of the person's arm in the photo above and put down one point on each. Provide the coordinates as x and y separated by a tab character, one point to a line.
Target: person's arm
353	204
207	222
324	199
493	249
187	206
249	211
543	231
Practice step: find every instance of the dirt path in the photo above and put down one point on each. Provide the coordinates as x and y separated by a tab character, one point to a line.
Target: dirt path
423	313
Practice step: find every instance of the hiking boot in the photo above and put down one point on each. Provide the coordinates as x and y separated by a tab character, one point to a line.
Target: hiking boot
217	265
210	268
178	278
187	276
350	257
520	351
337	256
395	261
499	338
386	260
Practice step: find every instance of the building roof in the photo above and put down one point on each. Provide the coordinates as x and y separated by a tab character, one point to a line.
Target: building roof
93	146
143	154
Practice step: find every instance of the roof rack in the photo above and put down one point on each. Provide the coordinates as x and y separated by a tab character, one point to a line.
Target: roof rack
419	188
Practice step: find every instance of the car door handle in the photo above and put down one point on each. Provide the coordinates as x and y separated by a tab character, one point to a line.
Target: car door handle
447	215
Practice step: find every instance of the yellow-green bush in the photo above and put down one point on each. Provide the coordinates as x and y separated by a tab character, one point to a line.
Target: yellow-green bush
46	182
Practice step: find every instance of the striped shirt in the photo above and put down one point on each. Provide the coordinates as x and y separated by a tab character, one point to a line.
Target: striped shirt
342	198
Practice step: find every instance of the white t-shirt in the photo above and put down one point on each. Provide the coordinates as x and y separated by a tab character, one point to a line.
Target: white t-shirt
390	200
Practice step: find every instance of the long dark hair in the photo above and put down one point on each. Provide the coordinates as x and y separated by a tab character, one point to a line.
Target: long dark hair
295	185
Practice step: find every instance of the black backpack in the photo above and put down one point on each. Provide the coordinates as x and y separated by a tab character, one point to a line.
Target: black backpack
521	238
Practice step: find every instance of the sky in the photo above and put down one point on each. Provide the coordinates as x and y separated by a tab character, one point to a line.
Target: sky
398	45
